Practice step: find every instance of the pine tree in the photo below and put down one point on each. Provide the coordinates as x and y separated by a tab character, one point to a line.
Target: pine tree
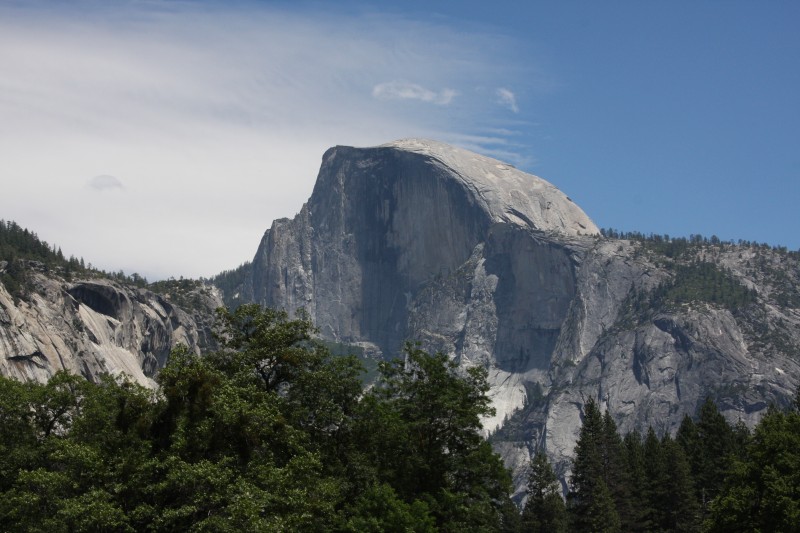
615	472
601	516
656	474
797	399
590	502
634	455
688	437
544	511
762	491
710	462
681	511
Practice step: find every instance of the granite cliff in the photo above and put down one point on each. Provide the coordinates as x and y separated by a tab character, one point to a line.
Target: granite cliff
93	326
423	241
385	223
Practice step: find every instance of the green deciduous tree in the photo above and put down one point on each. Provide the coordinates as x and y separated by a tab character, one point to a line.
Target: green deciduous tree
271	433
422	430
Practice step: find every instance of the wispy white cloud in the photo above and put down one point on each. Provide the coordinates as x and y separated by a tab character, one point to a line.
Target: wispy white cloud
105	182
216	117
507	99
403	90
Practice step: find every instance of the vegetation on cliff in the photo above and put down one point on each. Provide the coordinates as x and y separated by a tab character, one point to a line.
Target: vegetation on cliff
22	253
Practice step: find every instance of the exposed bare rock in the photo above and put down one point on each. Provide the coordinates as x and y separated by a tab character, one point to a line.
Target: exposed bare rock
365	244
95	326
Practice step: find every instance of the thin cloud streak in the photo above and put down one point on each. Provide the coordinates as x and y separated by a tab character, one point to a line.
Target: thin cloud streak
402	90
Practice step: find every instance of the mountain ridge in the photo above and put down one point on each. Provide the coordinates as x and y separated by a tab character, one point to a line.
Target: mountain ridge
407	241
392	246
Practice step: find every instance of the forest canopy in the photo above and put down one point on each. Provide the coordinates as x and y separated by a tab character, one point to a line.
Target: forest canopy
271	433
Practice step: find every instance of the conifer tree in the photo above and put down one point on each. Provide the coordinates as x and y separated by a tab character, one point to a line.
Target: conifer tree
681	511
656	474
615	472
634	455
590	502
710	461
544	511
688	437
762	492
796	404
601	515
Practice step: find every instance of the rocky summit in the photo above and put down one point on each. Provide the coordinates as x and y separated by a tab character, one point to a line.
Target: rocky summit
384	225
418	240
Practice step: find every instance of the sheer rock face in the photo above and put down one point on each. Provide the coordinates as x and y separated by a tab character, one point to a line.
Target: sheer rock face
93	327
383	223
419	240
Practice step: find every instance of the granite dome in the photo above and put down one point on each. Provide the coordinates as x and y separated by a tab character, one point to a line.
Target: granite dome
507	194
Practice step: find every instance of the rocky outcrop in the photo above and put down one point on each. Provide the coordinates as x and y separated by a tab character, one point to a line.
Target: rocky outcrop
93	327
420	240
652	368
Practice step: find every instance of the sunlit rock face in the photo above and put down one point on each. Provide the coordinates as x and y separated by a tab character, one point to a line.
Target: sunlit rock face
418	240
96	327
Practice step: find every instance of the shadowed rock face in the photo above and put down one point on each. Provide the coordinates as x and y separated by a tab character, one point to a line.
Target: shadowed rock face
536	283
419	240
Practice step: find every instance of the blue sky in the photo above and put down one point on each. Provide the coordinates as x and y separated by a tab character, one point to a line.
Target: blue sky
164	137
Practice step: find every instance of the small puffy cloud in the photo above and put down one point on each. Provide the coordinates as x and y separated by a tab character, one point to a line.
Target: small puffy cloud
402	90
507	99
105	182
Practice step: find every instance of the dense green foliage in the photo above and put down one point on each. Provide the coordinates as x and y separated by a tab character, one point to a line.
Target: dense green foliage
762	489
23	251
19	243
19	247
695	282
711	477
271	433
698	276
233	283
703	282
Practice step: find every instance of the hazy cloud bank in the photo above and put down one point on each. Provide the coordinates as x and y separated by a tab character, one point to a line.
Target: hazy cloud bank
216	117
